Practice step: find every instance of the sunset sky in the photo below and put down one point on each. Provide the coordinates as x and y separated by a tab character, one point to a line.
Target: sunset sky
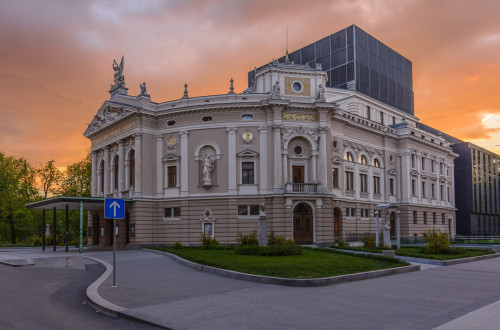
56	58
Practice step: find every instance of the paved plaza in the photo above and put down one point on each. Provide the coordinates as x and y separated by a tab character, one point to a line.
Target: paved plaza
157	289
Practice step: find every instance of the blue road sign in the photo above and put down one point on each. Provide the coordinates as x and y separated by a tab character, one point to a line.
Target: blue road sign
114	208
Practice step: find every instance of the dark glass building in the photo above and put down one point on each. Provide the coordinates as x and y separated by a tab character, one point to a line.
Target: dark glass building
357	61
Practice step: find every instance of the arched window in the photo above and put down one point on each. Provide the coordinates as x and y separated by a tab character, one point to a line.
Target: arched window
362	160
101	177
132	168
376	163
115	177
348	157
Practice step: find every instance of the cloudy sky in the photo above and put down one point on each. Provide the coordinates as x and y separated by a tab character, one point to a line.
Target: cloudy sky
56	58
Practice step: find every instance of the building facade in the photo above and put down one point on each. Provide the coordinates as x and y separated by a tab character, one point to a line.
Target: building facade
319	158
355	60
478	197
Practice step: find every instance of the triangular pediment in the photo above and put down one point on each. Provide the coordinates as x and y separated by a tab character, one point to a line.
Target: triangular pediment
337	160
413	173
392	171
171	158
108	114
247	153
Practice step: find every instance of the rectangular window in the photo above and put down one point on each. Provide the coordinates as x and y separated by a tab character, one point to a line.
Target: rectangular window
376	185
349	180
335	177
448	194
433	190
365	213
424	190
394	120
413	187
441	169
171	212
432	166
172	176
423	164
391	186
441	192
442	219
413	160
434	218
363	178
247	172
425	218
381	118
248	210
414	217
350	212
368	113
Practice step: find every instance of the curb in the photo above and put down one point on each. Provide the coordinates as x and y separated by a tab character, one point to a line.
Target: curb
432	261
104	306
289	281
18	262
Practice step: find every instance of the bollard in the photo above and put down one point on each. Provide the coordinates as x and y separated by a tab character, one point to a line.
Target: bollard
68	261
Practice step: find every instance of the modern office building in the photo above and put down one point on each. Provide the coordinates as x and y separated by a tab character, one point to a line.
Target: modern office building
319	158
355	60
478	194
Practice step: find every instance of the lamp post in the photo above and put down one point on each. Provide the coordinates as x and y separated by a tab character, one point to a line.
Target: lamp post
376	228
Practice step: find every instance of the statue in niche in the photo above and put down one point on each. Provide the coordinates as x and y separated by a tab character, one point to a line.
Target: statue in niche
321	94
207	157
276	91
118	75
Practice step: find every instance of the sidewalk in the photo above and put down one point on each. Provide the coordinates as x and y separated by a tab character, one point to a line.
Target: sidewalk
155	288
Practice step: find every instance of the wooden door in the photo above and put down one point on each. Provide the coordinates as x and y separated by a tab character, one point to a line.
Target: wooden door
298	174
302	228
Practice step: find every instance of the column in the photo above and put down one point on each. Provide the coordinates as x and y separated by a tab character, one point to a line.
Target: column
94	174
278	179
322	157
314	165
159	155
231	160
263	159
405	178
106	170
138	164
184	163
121	166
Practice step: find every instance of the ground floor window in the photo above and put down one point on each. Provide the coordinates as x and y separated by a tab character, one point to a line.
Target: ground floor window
171	212
248	210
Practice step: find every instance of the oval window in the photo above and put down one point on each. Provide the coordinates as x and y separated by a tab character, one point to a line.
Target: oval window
247	116
298	150
335	144
206	119
171	123
297	86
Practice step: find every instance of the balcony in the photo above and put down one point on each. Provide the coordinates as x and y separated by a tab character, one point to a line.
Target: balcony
302	188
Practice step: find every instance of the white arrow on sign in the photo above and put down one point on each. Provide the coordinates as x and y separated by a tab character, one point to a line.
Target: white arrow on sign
114	205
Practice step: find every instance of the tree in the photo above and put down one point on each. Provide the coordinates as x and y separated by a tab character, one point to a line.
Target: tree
77	180
49	176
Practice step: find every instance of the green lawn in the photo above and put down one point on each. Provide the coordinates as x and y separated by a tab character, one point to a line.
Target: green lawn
315	263
419	252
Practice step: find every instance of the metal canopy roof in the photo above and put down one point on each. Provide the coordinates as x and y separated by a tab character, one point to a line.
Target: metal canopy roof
73	203
386	206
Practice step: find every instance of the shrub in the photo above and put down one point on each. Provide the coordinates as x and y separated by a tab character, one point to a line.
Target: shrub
341	243
273	250
437	242
207	242
250	239
368	241
273	239
177	245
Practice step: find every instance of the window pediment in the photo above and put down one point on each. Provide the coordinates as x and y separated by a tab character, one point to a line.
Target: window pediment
337	160
414	173
392	171
170	158
247	153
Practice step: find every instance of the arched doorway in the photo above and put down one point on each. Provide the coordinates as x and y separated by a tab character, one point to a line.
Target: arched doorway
95	230
393	224
302	224
336	223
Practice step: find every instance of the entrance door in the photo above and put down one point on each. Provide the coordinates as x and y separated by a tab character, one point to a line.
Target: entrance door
302	224
336	223
298	174
393	224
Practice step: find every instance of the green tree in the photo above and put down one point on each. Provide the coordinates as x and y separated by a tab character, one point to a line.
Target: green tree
77	179
49	176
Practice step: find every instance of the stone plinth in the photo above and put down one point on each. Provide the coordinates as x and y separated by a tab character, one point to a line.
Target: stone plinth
389	253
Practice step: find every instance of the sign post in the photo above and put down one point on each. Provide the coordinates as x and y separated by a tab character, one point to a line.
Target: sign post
114	208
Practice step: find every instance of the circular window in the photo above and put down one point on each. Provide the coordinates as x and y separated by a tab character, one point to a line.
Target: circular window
298	150
171	123
247	116
206	119
297	86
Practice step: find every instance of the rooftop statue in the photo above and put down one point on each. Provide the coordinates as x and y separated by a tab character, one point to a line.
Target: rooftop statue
118	76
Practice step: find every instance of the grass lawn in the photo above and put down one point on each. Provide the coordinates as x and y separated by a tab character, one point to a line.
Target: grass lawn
419	252
313	263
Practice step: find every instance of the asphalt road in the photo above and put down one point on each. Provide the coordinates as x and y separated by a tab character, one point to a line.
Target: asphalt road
50	295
